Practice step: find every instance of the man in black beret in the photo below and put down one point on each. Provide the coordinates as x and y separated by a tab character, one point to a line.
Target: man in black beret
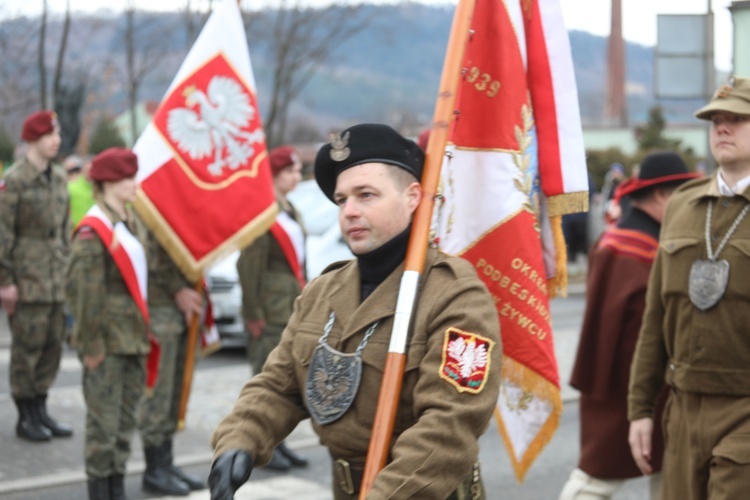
329	363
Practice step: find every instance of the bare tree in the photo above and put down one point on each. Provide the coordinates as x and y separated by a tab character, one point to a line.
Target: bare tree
61	53
145	49
41	58
300	40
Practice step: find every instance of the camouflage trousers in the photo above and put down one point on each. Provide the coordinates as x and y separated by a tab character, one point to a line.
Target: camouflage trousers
259	349
37	332
157	415
112	393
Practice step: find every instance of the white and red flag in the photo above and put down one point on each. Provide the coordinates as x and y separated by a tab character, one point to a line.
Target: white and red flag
515	162
205	179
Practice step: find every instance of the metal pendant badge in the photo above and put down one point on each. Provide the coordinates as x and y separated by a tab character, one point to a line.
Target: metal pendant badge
707	282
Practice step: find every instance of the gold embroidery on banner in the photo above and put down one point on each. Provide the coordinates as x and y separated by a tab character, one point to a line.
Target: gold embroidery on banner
525	181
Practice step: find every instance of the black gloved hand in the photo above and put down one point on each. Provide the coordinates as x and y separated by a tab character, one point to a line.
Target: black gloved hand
230	471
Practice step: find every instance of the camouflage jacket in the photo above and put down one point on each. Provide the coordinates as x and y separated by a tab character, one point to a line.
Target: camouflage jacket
107	319
164	280
268	283
34	234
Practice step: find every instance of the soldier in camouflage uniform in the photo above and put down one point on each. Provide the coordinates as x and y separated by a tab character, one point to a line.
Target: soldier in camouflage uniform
172	301
110	330
34	246
270	282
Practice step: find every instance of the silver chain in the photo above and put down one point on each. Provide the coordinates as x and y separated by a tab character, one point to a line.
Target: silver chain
329	326
711	255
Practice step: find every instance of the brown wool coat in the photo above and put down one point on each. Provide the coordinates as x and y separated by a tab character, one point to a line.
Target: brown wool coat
437	427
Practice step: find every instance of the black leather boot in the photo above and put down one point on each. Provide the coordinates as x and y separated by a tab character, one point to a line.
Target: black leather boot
193	482
56	428
278	461
99	488
294	459
117	487
28	427
157	478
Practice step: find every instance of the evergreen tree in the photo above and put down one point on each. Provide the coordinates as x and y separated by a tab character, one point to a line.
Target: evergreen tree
6	149
650	136
105	136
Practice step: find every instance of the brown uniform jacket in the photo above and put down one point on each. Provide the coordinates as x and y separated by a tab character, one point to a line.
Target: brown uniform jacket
34	233
106	318
703	352
269	286
437	427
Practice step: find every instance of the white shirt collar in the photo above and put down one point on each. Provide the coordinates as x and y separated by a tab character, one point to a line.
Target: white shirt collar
738	188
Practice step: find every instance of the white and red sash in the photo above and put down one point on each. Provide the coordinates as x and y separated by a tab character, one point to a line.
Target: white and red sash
291	238
130	258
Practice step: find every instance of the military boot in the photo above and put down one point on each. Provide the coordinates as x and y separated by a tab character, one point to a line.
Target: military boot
117	487
99	488
294	459
56	428
157	477
28	427
193	482
278	461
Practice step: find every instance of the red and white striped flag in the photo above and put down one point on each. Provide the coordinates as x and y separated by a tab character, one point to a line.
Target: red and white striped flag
515	160
203	166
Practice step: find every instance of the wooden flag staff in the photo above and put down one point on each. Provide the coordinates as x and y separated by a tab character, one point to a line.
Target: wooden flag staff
390	389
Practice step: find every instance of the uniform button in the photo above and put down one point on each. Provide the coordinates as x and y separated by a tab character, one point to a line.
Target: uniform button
726	203
715	237
671	366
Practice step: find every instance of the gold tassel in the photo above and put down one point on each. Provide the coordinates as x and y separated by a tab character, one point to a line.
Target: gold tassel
558	284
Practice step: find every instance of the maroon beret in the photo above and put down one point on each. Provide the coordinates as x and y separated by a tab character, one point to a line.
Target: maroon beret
113	164
38	124
282	157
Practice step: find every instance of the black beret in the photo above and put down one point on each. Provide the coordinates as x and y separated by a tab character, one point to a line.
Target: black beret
365	143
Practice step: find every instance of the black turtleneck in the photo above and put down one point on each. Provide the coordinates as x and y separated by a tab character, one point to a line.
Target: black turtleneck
639	220
376	266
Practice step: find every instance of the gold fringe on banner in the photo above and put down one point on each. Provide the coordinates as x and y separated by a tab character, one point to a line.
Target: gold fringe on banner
557	286
568	203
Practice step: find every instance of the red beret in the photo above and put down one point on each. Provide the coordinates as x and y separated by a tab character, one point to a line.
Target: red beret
38	124
282	157
113	164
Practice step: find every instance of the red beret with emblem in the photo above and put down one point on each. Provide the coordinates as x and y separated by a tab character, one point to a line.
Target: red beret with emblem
38	124
281	157
113	164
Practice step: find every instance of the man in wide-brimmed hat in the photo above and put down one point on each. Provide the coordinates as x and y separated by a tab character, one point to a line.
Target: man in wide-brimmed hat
619	266
695	333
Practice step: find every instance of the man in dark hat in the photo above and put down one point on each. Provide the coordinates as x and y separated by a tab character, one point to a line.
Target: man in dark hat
619	266
695	333
329	364
34	245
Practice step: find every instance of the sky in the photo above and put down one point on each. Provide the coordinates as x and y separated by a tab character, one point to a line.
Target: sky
639	16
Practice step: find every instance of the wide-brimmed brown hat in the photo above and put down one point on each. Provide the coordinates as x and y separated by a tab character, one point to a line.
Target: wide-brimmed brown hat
733	97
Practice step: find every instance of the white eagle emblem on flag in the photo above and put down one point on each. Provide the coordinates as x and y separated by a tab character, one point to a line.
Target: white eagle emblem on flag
216	126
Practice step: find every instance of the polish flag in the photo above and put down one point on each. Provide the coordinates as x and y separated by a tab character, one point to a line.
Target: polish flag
204	174
514	164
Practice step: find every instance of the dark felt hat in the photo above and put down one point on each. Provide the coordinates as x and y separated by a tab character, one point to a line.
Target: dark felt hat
113	164
281	157
733	97
366	143
663	167
38	124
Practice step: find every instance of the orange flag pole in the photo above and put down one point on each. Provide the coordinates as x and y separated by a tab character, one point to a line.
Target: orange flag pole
187	375
390	389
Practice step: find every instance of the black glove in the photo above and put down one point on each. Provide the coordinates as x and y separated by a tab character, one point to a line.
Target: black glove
230	471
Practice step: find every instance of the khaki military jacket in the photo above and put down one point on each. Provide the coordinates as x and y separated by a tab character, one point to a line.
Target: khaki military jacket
268	283
437	426
704	352
164	280
34	233
106	318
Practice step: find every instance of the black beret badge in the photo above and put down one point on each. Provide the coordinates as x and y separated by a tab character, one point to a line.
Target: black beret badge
339	147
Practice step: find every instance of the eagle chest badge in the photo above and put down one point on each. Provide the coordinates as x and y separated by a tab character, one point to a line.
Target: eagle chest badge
466	360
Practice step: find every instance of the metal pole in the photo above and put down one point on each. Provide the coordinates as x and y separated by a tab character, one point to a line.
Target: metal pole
710	79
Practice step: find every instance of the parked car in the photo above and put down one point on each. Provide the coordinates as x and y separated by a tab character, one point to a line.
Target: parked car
324	246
